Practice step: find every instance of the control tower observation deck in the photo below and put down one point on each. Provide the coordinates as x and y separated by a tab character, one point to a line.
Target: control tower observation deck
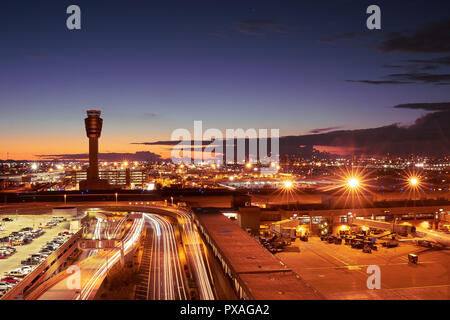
93	124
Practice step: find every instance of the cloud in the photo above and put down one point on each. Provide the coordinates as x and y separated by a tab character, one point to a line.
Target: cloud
413	77
258	27
416	77
442	60
429	135
391	66
380	82
323	130
411	67
150	115
430	38
428	106
112	156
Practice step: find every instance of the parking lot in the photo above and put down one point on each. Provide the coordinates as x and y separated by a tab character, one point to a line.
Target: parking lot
26	250
338	271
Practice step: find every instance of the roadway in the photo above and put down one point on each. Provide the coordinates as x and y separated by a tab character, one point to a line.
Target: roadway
166	280
94	269
195	252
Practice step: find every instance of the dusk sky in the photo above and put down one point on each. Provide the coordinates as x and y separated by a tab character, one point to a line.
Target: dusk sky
154	66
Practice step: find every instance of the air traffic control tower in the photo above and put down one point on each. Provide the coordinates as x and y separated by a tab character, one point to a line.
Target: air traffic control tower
93	124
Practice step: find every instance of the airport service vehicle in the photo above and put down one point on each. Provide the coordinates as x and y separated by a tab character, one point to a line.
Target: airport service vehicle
437	237
390	244
413	258
357	245
425	243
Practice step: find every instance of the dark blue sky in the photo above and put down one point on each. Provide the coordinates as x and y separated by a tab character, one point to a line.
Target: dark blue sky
154	66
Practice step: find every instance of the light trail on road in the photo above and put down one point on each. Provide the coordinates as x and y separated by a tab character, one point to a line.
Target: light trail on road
193	248
166	276
97	234
130	239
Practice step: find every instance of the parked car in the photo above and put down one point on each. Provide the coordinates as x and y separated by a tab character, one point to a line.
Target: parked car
12	249
10	279
45	251
7	219
16	273
5	286
26	269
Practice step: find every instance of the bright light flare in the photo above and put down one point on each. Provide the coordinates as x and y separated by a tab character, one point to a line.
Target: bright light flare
413	181
288	184
353	183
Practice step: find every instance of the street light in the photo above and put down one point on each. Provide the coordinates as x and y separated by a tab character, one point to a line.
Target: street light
288	184
116	197
413	181
353	183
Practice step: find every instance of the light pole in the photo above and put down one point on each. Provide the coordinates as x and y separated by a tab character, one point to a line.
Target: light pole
353	185
414	184
287	186
116	194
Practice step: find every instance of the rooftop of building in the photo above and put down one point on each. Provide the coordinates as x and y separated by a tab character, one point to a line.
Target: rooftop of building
265	276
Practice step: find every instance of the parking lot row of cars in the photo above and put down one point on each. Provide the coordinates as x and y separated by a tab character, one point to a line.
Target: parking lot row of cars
13	277
27	234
